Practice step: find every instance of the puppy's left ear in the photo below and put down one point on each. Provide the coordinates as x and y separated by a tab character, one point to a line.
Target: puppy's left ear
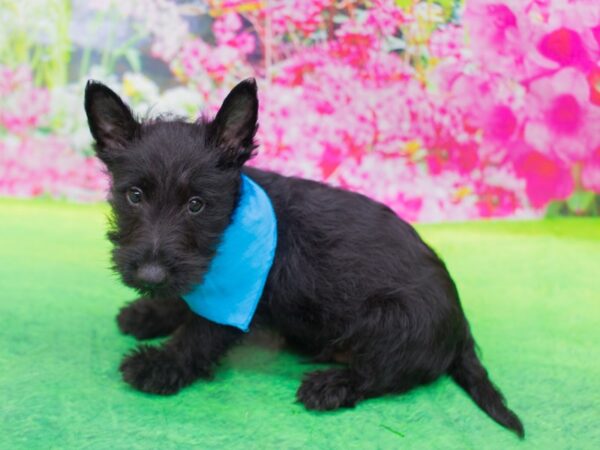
233	129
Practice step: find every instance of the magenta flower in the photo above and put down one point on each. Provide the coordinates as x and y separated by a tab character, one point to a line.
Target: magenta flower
227	31
547	177
561	122
496	201
499	123
565	47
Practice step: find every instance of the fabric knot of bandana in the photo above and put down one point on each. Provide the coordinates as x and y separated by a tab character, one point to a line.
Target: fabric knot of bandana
236	277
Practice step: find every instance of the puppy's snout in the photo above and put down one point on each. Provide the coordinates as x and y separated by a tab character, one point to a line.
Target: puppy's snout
152	274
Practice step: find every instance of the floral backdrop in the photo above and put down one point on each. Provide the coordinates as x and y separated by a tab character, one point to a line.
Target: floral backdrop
444	110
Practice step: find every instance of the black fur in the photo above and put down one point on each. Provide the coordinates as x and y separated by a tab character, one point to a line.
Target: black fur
351	281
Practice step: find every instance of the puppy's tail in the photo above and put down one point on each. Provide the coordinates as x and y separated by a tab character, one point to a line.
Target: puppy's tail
470	374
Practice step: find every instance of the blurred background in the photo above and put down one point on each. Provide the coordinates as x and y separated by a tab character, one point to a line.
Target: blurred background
442	110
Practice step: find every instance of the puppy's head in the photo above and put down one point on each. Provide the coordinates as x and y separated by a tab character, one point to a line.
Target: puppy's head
174	185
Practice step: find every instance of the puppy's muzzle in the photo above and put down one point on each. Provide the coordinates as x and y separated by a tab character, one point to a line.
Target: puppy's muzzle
151	274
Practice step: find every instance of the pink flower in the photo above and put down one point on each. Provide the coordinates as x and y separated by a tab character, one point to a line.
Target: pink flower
560	120
296	16
226	29
447	42
22	105
565	47
547	178
495	26
198	59
331	158
354	47
32	166
384	17
500	123
495	201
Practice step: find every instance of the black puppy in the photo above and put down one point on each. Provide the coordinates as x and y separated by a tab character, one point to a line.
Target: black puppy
351	282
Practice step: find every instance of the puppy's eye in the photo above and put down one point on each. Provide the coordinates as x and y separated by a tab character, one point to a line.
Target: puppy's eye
195	205
134	195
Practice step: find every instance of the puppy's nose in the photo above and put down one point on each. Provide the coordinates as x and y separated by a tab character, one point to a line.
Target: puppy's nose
152	273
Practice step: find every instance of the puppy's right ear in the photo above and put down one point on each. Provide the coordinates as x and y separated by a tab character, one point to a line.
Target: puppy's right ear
110	120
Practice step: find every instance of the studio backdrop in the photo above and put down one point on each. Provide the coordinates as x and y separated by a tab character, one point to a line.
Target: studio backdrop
442	110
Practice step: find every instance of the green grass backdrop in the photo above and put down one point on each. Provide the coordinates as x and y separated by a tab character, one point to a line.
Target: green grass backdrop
531	291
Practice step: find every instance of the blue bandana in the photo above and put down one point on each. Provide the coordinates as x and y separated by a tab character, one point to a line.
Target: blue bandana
235	280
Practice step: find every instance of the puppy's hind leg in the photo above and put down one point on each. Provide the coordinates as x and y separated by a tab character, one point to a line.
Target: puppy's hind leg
330	389
384	357
147	318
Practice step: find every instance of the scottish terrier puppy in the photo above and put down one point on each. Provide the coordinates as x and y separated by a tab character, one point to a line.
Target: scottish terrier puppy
350	282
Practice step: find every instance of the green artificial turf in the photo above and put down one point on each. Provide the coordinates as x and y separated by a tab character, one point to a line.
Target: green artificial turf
531	291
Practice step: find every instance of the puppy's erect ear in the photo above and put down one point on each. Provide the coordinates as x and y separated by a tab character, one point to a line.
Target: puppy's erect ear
233	129
110	120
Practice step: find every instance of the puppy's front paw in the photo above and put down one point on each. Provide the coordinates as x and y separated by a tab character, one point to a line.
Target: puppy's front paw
152	370
143	319
327	390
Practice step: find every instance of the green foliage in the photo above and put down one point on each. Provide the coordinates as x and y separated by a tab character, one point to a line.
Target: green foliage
580	203
556	208
112	52
35	33
449	6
